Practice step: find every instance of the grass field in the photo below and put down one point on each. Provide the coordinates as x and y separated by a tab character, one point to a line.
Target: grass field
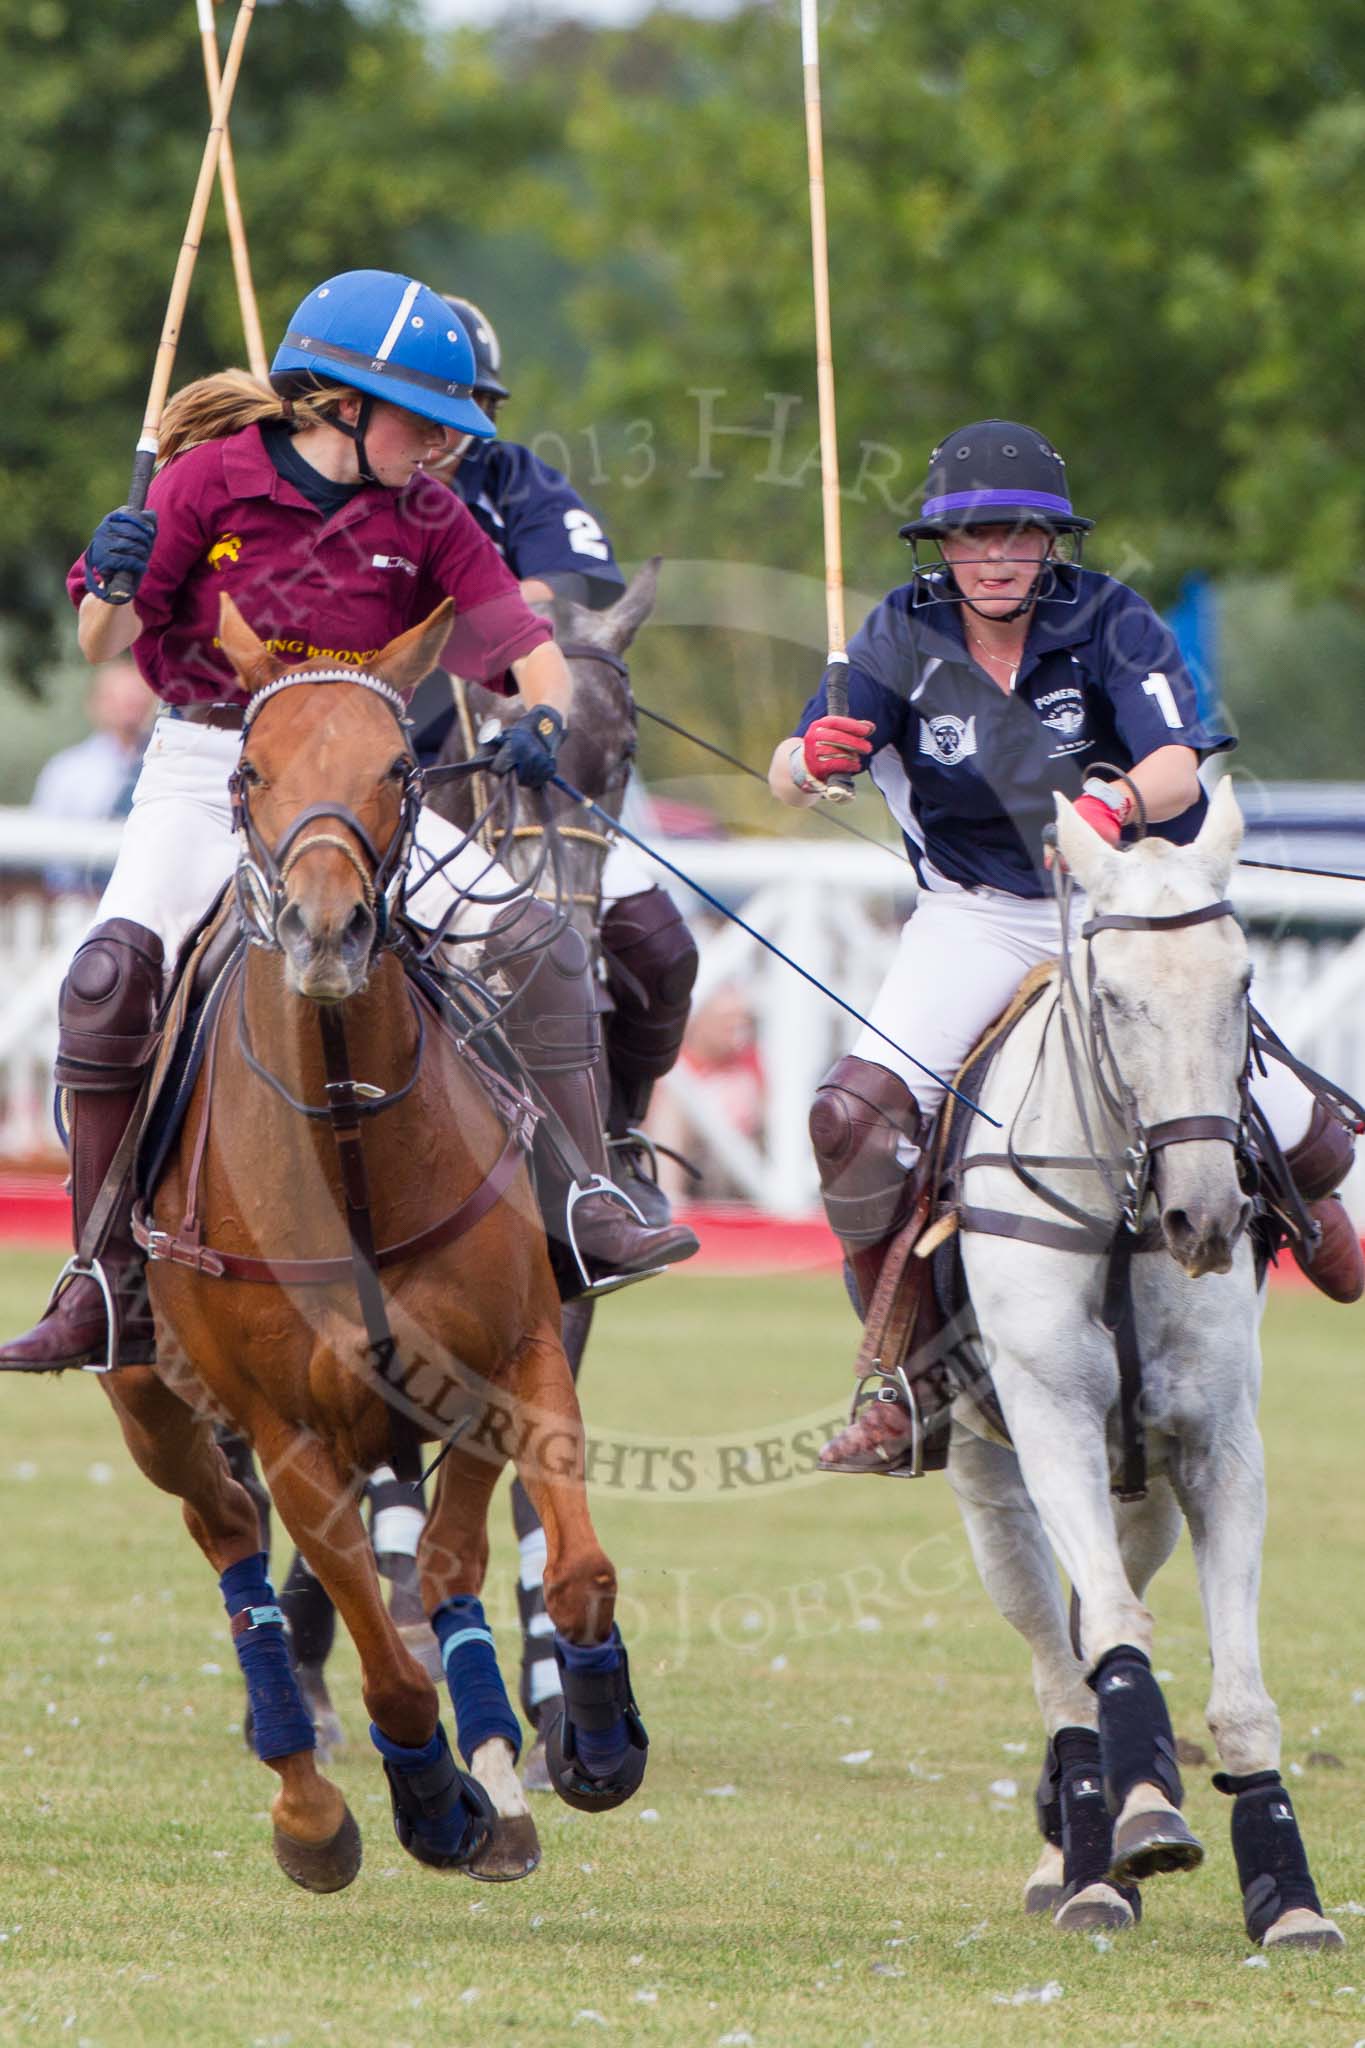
764	1887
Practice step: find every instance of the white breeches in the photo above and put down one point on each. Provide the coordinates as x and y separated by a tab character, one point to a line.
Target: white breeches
178	849
960	959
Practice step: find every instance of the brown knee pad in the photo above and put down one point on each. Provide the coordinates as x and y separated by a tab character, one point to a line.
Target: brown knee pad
107	1008
651	961
1322	1159
860	1121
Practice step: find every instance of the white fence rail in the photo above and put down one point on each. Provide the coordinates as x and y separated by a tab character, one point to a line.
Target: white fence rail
833	907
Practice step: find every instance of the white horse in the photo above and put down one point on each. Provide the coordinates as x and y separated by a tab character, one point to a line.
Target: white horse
1157	1000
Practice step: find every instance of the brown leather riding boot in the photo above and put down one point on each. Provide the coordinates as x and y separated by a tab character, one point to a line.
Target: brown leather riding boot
866	1129
1318	1164
553	1026
106	1011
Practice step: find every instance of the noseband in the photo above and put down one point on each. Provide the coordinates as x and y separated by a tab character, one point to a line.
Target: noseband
262	877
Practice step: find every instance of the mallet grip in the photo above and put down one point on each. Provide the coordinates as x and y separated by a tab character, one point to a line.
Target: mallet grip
144	466
839	788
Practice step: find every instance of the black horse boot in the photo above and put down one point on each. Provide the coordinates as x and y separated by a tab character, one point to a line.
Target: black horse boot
651	964
552	1025
1318	1164
106	1038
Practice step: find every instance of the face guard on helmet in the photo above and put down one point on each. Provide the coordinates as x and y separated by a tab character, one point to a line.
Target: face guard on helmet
387	337
995	473
488	384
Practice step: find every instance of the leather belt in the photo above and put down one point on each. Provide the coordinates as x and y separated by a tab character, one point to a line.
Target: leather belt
226	717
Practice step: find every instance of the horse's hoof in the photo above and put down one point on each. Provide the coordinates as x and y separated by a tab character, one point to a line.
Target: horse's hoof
535	1776
572	1782
321	1866
1302	1928
1152	1843
331	1736
1097	1906
419	1641
1043	1891
512	1851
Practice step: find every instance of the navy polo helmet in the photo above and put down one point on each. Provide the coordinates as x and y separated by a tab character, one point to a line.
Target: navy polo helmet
995	473
487	347
390	337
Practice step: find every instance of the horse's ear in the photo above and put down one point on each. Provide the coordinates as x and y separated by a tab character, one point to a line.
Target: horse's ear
414	654
1220	835
617	626
255	664
1090	859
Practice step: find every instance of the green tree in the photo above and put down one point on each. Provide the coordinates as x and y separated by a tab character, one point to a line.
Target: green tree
357	141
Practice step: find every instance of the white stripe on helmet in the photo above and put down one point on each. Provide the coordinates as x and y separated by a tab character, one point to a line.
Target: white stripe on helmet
382	353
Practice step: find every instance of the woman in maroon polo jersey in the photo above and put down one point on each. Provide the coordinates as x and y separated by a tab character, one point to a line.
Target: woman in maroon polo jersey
309	503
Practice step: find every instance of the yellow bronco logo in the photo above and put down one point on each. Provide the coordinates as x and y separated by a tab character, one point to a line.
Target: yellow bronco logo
226	548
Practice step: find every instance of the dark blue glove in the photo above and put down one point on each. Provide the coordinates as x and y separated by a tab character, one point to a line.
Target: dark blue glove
528	748
121	543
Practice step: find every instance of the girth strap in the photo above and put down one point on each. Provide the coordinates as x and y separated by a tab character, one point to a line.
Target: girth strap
179	1251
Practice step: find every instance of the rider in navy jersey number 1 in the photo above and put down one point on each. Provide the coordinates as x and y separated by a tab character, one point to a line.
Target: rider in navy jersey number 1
1002	672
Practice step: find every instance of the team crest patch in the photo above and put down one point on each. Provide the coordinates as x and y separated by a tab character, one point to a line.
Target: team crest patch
226	548
948	739
1063	712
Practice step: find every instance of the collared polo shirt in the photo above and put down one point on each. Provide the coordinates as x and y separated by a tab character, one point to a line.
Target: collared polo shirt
337	588
967	769
537	521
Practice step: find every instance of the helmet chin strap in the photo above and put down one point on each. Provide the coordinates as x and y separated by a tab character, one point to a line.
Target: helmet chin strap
357	434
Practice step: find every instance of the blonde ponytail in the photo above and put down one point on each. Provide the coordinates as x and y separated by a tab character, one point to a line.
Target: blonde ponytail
213	407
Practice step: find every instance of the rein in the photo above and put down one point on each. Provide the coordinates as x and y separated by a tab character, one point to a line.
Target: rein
262	881
1127	1175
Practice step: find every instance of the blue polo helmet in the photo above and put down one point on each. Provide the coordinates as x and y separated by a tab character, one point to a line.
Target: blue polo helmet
390	337
995	473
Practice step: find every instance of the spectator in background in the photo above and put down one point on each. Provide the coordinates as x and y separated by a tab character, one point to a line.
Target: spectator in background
95	777
720	1052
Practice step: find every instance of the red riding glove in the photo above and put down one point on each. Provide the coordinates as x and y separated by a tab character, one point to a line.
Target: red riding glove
837	746
1100	818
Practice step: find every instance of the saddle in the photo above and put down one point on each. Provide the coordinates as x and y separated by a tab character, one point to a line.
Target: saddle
921	1347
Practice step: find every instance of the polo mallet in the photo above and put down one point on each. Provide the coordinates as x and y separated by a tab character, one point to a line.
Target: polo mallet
839	788
257	358
144	461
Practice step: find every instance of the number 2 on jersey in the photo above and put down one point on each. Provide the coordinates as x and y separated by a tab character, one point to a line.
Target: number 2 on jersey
587	538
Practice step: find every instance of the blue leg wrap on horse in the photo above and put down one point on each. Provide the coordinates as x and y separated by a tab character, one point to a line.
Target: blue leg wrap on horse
596	1695
1137	1742
281	1724
440	1816
1272	1863
482	1708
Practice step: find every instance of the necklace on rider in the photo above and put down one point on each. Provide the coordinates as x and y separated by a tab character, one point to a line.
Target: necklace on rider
1001	660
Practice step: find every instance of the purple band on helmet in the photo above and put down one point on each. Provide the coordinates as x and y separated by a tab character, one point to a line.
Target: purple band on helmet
992	501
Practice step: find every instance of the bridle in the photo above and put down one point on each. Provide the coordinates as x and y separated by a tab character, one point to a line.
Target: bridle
263	872
1095	1071
1096	1060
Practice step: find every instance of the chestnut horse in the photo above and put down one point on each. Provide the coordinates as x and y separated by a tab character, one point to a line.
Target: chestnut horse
260	1295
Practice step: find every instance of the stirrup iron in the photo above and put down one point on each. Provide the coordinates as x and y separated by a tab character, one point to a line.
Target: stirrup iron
893	1387
598	1184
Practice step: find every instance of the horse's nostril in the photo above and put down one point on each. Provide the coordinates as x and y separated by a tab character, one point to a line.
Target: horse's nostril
290	929
359	926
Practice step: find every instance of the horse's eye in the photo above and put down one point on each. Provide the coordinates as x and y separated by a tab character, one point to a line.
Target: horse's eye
399	770
249	774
